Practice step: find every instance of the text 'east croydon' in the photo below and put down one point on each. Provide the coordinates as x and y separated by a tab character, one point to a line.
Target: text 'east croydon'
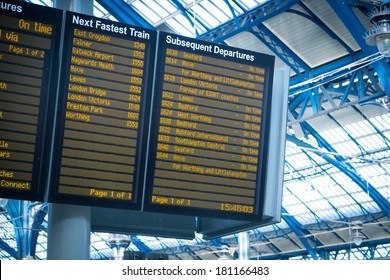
97	24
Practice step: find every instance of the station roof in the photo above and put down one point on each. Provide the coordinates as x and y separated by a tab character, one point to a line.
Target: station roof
337	165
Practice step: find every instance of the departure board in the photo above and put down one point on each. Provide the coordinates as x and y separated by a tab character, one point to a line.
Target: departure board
106	85
29	43
209	130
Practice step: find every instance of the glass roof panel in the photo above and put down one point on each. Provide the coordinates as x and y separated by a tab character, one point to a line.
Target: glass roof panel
41	249
382	122
271	228
250	4
98	10
146	12
48	3
168	6
205	16
181	25
290	199
158	8
329	135
237	9
220	12
186	2
347	148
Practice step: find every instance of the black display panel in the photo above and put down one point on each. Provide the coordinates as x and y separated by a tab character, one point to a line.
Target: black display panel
105	92
29	44
209	131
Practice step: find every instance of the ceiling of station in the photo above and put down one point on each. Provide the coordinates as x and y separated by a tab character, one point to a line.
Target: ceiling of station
337	165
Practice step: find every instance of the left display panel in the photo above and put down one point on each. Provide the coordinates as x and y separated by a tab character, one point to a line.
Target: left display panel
103	113
29	49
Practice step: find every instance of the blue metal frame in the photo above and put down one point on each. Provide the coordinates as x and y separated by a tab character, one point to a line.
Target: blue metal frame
139	244
39	217
248	20
298	103
365	90
11	251
14	212
350	20
330	252
311	16
302	178
300	233
184	12
283	52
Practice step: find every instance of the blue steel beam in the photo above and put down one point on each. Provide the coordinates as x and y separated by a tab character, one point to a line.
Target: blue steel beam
3	245
299	232
39	217
233	12
281	50
14	212
363	209
346	168
313	17
248	20
313	97
356	28
11	251
302	178
184	12
365	89
331	250
139	244
124	13
385	139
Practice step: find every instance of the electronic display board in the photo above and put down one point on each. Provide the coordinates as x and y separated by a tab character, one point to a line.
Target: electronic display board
105	91
29	44
210	128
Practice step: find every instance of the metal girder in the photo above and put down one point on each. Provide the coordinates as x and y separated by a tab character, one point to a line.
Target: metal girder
346	168
339	252
356	28
39	217
299	232
123	12
184	12
14	211
283	52
233	12
385	139
4	246
248	20
367	249
139	244
313	17
302	178
364	211
360	86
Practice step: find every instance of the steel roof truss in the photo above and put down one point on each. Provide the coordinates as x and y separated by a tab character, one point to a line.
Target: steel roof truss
139	244
383	204
248	20
280	49
299	232
356	28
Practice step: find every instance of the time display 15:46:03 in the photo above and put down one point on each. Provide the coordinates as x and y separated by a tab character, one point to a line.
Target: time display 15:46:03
237	208
243	271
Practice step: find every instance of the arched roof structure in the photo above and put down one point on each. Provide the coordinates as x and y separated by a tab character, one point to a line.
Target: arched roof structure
337	165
